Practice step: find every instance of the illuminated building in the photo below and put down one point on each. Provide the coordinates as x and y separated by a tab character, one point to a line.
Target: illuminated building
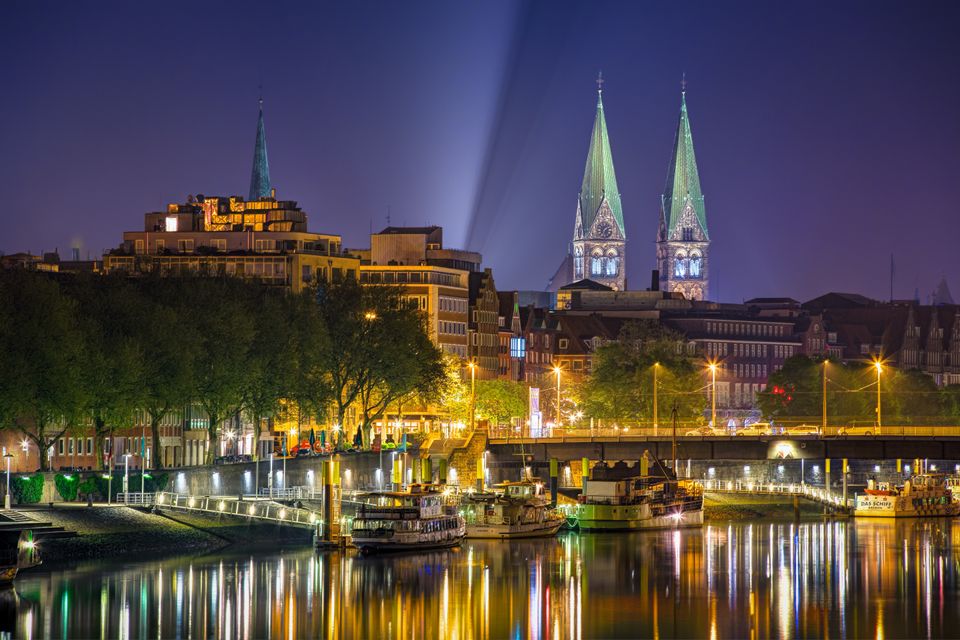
683	242
483	325
434	279
599	234
262	237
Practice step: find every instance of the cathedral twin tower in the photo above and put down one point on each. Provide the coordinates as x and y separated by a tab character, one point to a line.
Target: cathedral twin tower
599	235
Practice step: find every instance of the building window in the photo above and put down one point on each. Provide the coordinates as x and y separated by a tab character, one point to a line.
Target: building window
89	446
563	343
138	247
680	266
185	246
596	265
688	234
695	265
578	263
60	447
219	244
613	263
161	245
170	224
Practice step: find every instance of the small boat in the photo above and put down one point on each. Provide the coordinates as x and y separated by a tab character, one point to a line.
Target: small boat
921	496
18	551
624	498
512	510
412	520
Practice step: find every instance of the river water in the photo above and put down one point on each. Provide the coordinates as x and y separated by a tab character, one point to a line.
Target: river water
852	579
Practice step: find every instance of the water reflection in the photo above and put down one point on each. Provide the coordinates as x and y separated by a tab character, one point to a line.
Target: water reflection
847	579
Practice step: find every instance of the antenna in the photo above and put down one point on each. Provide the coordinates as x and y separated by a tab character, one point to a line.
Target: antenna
683	82
388	215
600	81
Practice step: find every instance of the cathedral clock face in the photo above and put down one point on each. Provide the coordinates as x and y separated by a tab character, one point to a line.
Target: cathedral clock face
604	230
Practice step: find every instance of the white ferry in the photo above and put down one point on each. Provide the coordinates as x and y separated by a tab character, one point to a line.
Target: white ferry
920	496
621	498
412	520
512	510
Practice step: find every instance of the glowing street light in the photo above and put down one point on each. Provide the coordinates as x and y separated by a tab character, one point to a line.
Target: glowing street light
878	364
656	365
473	394
712	366
557	370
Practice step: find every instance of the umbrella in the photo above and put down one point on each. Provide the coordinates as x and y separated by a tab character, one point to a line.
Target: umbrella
358	439
313	437
323	439
403	442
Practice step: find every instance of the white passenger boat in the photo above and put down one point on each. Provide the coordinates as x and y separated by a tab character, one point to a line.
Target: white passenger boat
921	496
412	520
512	510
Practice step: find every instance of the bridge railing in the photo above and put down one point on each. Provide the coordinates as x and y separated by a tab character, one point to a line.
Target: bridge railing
132	498
263	510
819	494
627	433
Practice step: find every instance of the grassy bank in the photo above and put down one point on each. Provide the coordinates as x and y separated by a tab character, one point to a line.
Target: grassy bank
751	507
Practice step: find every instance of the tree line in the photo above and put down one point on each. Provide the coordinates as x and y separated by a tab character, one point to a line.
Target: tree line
794	393
89	352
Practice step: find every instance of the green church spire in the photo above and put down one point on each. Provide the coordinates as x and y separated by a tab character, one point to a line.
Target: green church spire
683	180
599	178
260	178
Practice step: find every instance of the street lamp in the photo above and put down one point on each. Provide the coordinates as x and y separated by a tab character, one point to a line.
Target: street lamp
823	426
6	498
557	370
656	365
879	366
473	394
712	366
126	478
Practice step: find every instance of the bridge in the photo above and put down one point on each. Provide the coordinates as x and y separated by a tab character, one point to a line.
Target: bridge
252	509
936	443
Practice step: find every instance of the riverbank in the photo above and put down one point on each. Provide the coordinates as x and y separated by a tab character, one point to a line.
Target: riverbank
119	532
750	507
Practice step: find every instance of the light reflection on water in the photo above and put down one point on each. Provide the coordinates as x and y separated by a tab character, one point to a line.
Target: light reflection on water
846	579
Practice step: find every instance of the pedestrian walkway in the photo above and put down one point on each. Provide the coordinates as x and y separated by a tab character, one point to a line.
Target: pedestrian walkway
804	491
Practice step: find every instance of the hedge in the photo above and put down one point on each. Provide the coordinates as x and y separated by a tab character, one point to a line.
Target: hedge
67	486
27	489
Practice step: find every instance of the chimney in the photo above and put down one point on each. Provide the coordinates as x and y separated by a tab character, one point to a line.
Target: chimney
655	280
273	192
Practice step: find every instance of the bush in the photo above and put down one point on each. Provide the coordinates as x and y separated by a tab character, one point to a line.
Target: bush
88	488
67	486
27	489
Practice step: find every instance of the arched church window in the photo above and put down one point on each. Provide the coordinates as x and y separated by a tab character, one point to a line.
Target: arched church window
596	264
613	263
688	234
696	264
578	263
680	265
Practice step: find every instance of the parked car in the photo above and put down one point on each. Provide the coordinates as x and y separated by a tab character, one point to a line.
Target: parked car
706	431
866	430
804	430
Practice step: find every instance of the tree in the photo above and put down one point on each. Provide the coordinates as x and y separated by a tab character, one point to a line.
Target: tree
41	353
271	370
402	360
795	391
113	365
620	386
221	311
500	400
169	343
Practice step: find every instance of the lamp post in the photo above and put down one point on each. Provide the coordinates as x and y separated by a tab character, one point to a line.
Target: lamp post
656	365
473	394
823	425
6	498
556	370
126	478
270	477
713	394
879	366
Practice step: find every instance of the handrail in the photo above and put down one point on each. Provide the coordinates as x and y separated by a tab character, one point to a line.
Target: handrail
264	510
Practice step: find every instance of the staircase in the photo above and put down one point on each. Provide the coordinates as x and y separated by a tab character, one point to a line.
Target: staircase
11	520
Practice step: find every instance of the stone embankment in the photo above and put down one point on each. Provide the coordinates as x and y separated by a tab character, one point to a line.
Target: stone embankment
110	532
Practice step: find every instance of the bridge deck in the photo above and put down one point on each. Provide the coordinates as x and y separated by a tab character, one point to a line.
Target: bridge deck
805	491
259	510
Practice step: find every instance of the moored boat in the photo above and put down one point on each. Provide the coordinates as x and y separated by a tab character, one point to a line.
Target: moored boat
18	551
511	510
412	520
624	498
921	496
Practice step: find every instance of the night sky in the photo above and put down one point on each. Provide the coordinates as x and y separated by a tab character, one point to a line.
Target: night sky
827	134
